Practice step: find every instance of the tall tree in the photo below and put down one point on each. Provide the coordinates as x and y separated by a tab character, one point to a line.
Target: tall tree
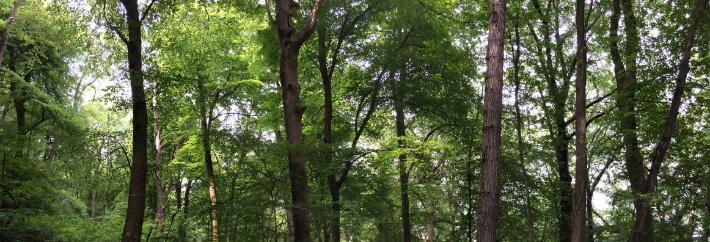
581	176
136	195
643	215
290	41
492	114
160	189
518	129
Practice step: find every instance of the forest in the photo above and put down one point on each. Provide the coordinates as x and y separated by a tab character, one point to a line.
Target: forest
355	120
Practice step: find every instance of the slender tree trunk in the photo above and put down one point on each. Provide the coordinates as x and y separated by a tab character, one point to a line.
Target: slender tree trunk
518	127
93	204
590	217
558	132
403	168
6	32
326	76
581	176
231	208
185	211
430	229
492	111
207	148
136	200
706	229
161	191
4	114
469	181
52	152
661	149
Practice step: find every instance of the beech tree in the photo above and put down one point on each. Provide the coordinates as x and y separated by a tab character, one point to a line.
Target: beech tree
408	107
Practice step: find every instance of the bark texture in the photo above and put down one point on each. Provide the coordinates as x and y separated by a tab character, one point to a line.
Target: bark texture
492	111
136	199
6	32
290	42
581	176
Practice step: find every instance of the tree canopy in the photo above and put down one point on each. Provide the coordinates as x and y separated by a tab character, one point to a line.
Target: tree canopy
355	120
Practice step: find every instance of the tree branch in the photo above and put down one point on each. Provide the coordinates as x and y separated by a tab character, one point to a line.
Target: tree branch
145	12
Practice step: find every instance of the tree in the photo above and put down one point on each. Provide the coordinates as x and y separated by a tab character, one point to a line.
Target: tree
492	112
581	173
132	229
290	43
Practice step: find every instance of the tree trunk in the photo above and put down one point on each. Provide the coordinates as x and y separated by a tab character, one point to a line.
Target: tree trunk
558	131
403	167
644	216
5	110
185	209
52	152
469	181
231	207
581	176
518	127
289	221
6	32
626	85
93	204
492	111
430	229
706	229
207	148
290	43
136	200
327	76
161	191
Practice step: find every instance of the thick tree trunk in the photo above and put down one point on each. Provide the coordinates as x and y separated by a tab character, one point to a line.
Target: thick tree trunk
659	153
492	111
581	176
6	32
290	42
403	169
626	85
136	200
518	128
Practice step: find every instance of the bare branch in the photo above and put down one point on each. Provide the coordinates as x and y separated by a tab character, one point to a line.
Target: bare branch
147	9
